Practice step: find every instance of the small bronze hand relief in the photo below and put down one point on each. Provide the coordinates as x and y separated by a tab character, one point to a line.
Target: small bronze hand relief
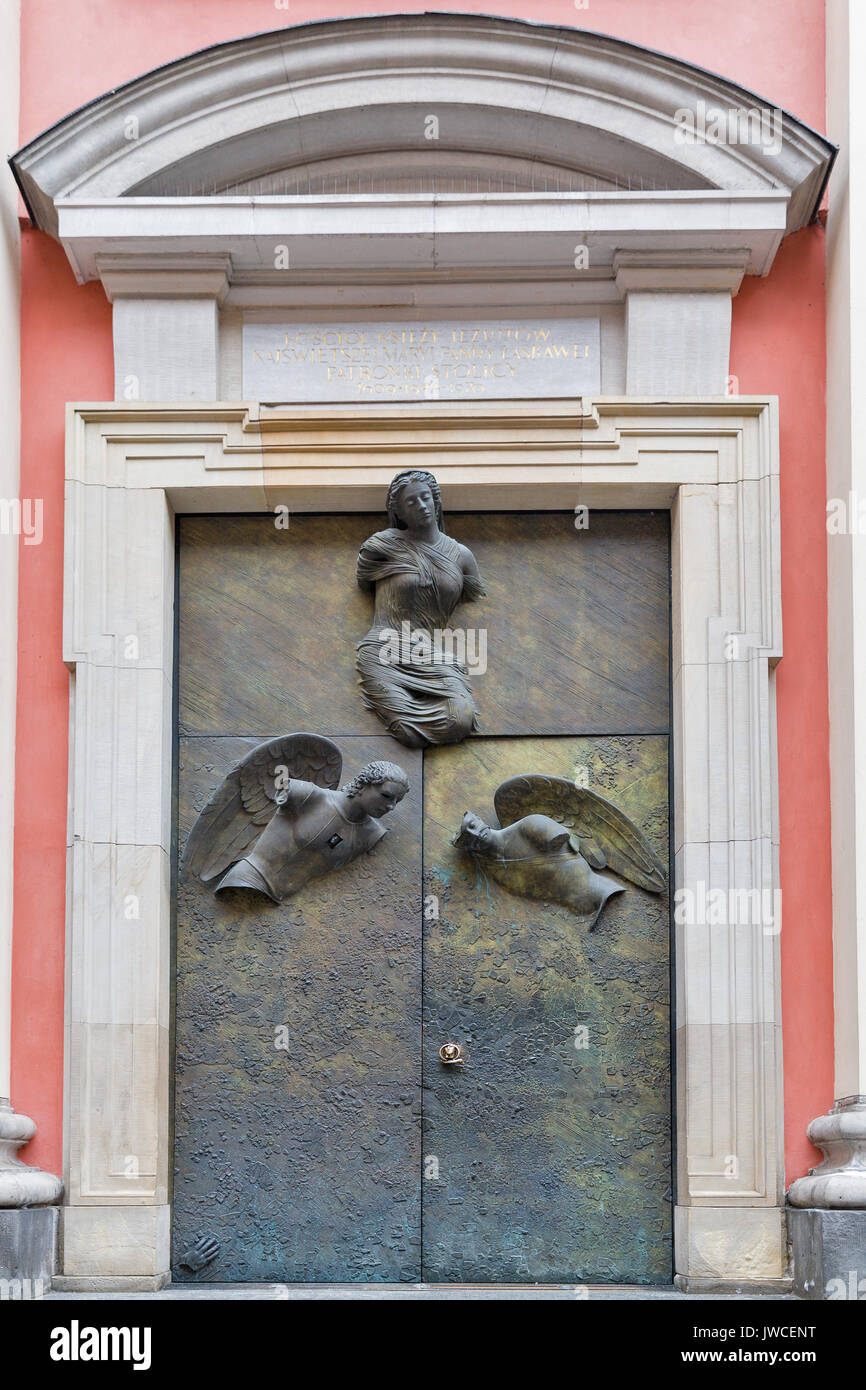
280	818
418	576
555	836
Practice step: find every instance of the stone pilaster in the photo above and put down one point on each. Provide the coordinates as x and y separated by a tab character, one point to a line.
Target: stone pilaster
166	324
678	320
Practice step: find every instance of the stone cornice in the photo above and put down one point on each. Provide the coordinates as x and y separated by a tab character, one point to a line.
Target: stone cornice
411	237
339	88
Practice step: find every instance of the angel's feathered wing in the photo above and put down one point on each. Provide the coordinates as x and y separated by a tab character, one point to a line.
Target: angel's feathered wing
239	810
607	837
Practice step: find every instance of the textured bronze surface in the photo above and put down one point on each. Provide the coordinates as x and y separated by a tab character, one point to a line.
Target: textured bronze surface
298	1151
552	1145
268	621
408	669
577	623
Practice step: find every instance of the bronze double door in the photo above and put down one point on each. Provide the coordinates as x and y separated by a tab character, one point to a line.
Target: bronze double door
317	1135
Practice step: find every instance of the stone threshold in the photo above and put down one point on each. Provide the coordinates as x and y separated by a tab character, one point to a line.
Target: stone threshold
427	1292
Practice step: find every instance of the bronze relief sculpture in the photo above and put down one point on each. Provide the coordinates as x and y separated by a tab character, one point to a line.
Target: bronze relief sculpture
554	839
280	818
418	575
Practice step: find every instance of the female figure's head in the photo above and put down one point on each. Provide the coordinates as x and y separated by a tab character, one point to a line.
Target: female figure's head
414	501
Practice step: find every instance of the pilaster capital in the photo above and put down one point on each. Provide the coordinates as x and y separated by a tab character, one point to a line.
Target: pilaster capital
695	271
165	276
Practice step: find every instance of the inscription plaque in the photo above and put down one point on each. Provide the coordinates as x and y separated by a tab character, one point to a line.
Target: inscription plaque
421	361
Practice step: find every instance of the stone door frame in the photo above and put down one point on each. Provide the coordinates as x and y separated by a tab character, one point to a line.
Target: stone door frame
131	469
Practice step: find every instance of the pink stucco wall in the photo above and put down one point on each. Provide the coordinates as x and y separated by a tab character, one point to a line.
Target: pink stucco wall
73	50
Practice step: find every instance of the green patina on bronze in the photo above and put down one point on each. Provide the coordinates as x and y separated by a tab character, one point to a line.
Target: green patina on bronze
576	622
552	1145
268	619
299	1152
305	1162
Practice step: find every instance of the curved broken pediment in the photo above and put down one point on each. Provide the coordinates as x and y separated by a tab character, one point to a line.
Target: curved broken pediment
432	99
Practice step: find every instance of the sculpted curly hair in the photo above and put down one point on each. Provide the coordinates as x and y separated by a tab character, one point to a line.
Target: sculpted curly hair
373	775
413	475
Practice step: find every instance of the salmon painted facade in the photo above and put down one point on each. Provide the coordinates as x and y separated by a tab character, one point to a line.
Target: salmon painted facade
205	203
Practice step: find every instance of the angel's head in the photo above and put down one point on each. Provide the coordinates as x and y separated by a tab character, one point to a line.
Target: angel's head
377	788
474	834
414	500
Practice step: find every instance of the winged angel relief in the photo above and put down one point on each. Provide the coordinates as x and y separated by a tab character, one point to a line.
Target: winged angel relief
554	839
281	819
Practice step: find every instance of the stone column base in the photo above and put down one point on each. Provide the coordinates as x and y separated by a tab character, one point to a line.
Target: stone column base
829	1253
733	1288
129	1283
21	1185
840	1181
28	1250
730	1249
115	1248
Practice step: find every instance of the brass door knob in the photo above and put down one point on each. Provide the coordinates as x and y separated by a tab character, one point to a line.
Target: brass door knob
451	1053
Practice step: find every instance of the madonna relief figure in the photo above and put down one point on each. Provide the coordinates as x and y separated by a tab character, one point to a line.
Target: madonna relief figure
418	576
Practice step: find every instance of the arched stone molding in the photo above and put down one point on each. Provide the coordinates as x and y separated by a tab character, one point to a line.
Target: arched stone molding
563	97
617	148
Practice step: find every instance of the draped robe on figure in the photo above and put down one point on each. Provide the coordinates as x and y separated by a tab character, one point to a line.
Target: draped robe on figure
419	582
